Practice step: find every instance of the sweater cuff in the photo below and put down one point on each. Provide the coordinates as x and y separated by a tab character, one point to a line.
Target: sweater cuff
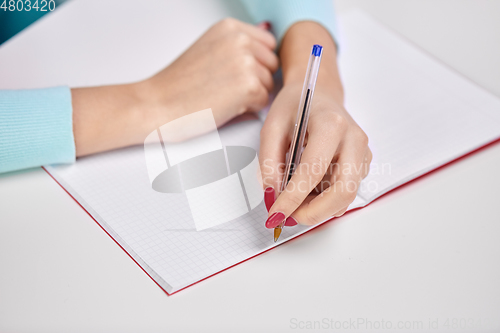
284	13
36	128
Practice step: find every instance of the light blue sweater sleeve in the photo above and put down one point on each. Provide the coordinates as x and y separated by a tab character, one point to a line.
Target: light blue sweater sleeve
283	13
36	128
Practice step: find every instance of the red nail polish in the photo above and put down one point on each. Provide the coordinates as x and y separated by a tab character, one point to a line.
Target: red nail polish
274	220
290	222
269	197
264	25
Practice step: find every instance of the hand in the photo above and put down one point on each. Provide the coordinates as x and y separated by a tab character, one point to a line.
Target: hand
336	157
228	69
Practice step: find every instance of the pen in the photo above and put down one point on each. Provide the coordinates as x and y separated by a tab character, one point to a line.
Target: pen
300	128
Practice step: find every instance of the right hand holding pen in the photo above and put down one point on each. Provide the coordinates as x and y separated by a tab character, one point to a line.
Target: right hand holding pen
336	156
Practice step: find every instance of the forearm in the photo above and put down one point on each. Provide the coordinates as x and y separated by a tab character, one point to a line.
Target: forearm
294	54
109	117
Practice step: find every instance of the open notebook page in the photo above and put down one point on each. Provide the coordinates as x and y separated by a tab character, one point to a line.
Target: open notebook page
417	113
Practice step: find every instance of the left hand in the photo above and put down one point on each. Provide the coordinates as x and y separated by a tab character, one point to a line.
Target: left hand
336	157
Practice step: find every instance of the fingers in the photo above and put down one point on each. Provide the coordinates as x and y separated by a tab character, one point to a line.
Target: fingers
340	212
254	83
264	55
264	25
274	141
259	34
264	76
260	41
269	197
326	130
252	53
353	164
257	95
273	148
231	25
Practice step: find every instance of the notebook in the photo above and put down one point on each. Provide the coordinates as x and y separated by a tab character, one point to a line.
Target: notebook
418	114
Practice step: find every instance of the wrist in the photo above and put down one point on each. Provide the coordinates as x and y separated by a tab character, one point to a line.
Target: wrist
108	117
147	110
295	52
156	101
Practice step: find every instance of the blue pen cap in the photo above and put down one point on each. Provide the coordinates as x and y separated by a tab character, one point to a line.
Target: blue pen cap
317	49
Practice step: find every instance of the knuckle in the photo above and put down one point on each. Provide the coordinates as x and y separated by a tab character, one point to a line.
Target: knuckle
317	165
268	76
253	86
242	40
312	217
255	91
368	156
295	200
338	121
317	169
274	61
332	120
247	63
341	212
351	196
348	193
274	42
271	83
360	136
228	23
262	98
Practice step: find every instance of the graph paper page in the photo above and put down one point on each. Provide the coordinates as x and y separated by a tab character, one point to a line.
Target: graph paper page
418	113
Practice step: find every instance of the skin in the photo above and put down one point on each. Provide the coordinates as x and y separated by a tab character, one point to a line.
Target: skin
336	157
229	69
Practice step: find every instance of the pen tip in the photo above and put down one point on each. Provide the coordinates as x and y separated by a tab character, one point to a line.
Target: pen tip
277	233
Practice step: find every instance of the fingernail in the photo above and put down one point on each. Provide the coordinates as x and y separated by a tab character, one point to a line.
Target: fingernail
274	220
290	222
269	197
264	25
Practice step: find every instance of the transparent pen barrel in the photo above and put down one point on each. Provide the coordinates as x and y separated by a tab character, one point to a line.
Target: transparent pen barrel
300	129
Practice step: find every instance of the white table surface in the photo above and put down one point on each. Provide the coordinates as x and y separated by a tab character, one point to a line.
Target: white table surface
430	250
